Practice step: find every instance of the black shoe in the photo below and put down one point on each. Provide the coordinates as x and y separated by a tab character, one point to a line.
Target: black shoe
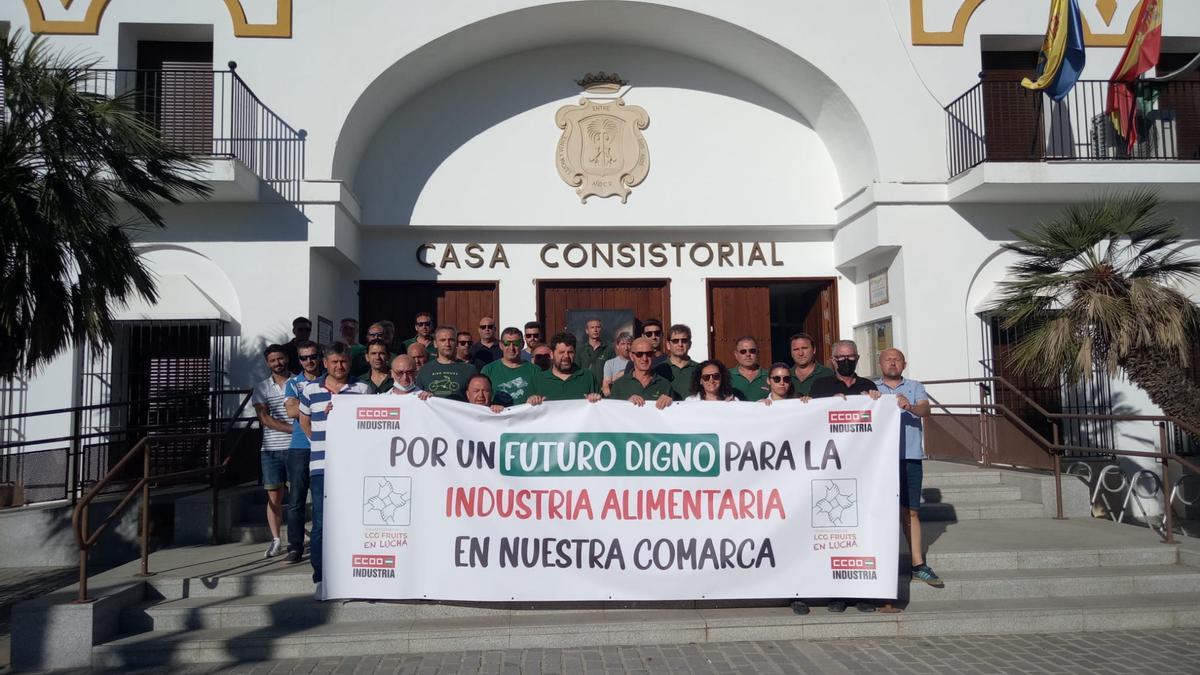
293	557
799	607
836	606
866	607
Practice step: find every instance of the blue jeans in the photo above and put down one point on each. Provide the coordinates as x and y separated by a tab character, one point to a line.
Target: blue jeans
296	463
317	485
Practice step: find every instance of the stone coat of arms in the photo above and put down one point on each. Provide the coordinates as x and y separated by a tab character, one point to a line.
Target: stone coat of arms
602	151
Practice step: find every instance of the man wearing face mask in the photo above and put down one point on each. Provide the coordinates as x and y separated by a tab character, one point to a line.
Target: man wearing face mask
844	382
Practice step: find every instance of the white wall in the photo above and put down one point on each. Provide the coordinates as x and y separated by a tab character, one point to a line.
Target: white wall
477	150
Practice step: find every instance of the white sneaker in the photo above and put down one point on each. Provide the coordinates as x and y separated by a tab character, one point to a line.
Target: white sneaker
319	591
273	549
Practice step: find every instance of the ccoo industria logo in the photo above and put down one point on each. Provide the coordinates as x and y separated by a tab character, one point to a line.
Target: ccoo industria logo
853	567
373	566
849	421
378	418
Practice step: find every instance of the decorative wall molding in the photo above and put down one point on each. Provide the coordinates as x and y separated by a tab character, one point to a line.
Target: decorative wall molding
88	25
282	28
955	37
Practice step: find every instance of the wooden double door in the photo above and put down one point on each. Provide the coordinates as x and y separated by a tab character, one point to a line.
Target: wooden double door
566	305
771	310
458	304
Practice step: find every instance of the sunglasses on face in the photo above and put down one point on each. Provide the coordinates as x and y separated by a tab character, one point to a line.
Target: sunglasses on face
424	323
652	333
642	355
511	343
710	377
464	342
533	335
747	351
680	341
487	326
778	379
308	357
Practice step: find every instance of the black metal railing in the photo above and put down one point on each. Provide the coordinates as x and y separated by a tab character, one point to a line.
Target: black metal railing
212	113
62	465
1001	121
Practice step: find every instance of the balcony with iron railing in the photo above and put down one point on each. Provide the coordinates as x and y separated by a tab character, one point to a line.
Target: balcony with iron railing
1001	121
213	114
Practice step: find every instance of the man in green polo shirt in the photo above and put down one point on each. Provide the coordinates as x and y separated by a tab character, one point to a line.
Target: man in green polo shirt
512	378
643	384
423	327
748	379
595	352
564	381
379	378
807	368
678	367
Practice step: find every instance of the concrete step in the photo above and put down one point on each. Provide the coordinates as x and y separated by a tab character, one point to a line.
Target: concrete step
301	611
255	533
516	630
1055	582
940	478
970	494
1075	559
989	510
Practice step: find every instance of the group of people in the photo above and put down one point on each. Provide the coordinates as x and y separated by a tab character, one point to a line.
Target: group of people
518	366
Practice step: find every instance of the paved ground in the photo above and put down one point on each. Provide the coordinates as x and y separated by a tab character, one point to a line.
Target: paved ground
20	584
1123	653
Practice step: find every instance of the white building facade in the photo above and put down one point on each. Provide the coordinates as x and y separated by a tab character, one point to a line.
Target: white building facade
835	167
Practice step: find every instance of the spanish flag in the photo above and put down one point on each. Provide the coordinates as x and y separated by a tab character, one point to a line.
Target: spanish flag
1061	60
1141	54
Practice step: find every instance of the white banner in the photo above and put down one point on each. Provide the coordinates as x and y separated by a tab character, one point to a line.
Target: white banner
606	501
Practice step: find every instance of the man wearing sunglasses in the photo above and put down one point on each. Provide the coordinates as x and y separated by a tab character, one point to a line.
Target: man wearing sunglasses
358	364
644	384
488	348
564	381
462	348
679	366
533	338
652	330
748	378
296	460
511	378
423	325
404	376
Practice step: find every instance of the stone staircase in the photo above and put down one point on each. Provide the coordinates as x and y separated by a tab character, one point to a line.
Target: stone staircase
1008	567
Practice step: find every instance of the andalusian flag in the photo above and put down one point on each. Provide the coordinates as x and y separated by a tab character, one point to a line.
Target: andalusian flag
1141	54
1061	60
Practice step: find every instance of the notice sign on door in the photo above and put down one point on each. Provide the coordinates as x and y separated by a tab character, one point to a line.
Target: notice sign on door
607	501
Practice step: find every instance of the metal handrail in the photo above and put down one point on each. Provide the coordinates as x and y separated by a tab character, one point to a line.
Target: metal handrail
79	516
1056	449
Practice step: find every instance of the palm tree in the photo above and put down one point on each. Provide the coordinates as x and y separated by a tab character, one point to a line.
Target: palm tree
1098	289
79	173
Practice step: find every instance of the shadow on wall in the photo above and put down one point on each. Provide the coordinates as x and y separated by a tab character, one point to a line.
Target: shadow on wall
427	130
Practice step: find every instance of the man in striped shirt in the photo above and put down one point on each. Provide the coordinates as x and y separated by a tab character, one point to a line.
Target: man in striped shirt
268	401
315	401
